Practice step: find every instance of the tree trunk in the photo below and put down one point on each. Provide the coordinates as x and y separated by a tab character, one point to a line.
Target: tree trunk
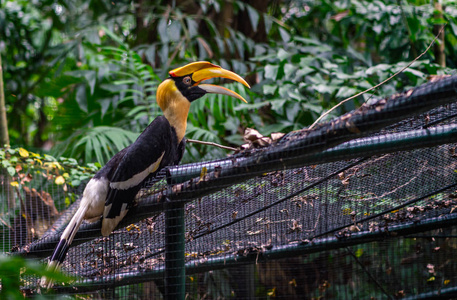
5	140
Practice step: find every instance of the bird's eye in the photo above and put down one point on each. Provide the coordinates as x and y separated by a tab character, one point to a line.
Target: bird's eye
187	80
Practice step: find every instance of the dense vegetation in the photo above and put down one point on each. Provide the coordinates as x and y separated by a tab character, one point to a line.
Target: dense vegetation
80	76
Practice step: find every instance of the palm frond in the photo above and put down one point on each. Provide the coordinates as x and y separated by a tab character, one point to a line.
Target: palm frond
96	144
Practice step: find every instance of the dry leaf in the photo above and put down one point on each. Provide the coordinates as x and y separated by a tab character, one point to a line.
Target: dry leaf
277	135
203	173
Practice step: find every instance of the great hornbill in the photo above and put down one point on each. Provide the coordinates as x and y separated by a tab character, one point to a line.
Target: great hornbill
110	193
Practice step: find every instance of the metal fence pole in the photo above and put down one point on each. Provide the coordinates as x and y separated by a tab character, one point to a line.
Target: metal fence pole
175	272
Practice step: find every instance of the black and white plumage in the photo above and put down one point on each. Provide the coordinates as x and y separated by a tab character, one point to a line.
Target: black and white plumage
156	148
111	192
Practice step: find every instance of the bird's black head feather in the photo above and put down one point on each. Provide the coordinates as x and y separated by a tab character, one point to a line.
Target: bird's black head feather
187	87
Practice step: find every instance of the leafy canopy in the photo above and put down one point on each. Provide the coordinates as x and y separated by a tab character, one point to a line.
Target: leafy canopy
80	76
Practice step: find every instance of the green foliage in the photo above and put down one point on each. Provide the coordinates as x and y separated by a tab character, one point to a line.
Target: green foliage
216	118
81	76
36	180
23	165
337	49
377	31
115	90
304	79
14	272
41	172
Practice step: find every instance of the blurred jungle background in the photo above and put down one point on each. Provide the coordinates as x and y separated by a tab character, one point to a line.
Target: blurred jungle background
79	76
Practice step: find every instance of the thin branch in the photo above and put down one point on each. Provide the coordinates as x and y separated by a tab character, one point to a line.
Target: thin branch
379	84
211	144
30	230
372	277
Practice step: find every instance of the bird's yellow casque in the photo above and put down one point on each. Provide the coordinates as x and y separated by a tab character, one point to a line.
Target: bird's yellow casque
111	192
175	105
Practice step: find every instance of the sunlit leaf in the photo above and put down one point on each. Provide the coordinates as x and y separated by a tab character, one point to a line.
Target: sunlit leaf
11	171
345	92
23	152
192	27
271	71
268	22
283	54
81	97
59	180
113	36
14	183
359	252
162	29
174	31
253	16
284	34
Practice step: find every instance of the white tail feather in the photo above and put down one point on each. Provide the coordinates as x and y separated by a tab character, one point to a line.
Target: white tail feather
68	235
73	225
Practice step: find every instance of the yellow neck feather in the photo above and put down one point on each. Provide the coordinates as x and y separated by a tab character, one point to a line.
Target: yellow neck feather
174	105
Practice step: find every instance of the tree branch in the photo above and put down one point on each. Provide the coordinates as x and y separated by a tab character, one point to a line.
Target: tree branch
211	144
4	138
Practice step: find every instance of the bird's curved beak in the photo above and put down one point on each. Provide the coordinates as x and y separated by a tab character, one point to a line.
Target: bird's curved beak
203	70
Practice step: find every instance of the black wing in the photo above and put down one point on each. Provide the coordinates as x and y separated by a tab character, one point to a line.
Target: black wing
154	149
179	151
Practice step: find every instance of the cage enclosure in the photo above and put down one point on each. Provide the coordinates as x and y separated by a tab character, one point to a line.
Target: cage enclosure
361	207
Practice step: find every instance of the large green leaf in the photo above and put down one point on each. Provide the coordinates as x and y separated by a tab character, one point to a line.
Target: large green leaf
97	144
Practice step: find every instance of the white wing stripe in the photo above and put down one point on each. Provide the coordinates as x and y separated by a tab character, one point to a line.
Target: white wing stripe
137	178
108	225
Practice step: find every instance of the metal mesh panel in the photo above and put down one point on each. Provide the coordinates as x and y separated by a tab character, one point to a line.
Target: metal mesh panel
360	207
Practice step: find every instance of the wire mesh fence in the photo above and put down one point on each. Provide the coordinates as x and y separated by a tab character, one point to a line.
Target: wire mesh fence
360	207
